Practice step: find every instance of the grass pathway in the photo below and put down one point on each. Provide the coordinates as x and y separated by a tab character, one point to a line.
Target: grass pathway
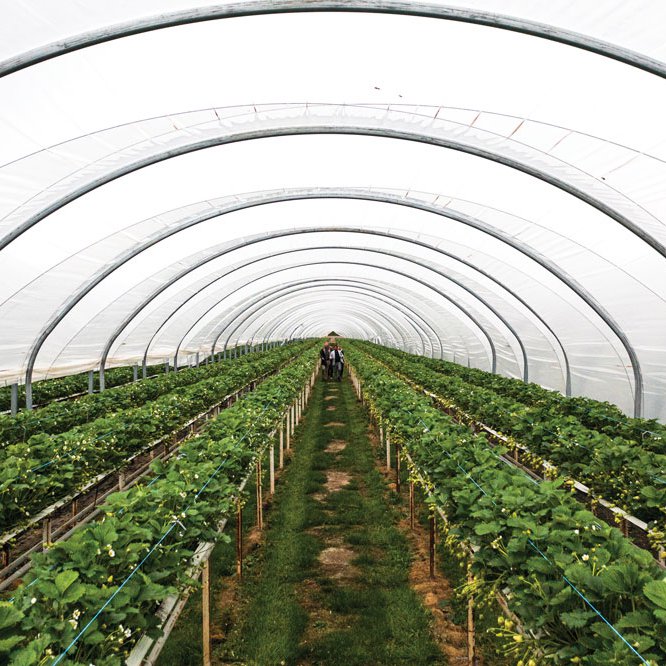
330	583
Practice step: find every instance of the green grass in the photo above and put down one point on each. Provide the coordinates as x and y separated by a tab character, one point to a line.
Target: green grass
291	610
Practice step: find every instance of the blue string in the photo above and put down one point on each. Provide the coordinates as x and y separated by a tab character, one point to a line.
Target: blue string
590	604
62	655
538	550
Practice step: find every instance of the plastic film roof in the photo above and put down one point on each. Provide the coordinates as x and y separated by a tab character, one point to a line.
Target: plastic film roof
483	181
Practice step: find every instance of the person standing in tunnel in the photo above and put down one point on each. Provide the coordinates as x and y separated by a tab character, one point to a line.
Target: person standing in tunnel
324	355
336	363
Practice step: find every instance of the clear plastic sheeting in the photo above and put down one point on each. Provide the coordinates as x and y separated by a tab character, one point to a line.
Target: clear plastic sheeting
162	195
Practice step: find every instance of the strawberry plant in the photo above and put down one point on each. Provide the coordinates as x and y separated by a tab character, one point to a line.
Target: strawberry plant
563	573
111	575
36	473
618	470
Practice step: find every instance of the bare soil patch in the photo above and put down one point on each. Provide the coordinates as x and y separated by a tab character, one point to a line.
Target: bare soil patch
451	638
337	562
330	397
331	408
336	445
334	424
336	480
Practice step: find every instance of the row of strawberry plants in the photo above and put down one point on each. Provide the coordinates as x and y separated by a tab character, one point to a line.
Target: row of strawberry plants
35	474
104	583
61	416
617	470
583	593
601	416
47	390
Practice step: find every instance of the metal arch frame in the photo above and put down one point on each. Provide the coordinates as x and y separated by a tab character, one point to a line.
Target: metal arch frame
567	371
369	327
323	129
382	234
309	283
257	307
390	338
477	224
399	341
351	286
384	133
464	310
261	7
167	284
318	193
402	331
261	277
265	308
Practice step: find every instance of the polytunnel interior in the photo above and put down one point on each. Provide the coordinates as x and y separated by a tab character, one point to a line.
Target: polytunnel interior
182	178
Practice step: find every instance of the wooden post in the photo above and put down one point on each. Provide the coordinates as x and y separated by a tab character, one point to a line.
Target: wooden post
5	554
260	504
282	444
397	468
205	612
388	453
431	525
75	507
470	623
271	466
46	532
288	429
239	539
121	480
412	510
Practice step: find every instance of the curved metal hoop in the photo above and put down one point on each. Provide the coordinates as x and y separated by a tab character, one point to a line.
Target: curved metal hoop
259	305
259	7
466	313
300	285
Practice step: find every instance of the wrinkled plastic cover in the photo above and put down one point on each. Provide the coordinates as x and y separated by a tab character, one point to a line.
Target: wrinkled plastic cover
466	192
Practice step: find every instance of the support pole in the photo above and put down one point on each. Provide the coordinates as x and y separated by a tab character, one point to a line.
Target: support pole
46	532
397	468
91	381
14	400
412	511
271	467
260	499
205	612
471	660
388	453
135	373
239	539
144	369
28	395
288	428
282	444
431	526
